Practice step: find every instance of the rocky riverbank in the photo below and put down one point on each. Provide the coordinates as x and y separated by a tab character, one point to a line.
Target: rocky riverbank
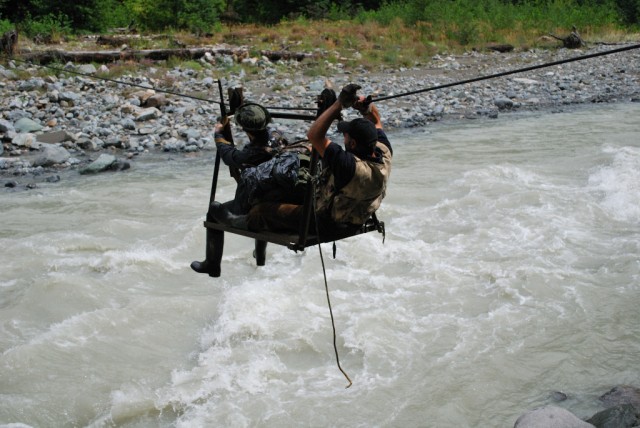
67	122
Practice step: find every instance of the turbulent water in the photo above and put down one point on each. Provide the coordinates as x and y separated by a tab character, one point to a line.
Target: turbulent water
510	270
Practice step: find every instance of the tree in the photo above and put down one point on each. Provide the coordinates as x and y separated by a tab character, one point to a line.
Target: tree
630	11
196	15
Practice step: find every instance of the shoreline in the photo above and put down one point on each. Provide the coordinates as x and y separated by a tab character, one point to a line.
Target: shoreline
56	125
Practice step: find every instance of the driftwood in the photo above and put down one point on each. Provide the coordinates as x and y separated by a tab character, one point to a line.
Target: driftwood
131	28
118	41
113	40
500	48
102	57
572	41
9	43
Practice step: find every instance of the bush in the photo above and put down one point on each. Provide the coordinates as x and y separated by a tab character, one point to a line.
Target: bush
5	26
50	28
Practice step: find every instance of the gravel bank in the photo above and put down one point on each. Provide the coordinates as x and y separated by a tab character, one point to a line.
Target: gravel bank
55	124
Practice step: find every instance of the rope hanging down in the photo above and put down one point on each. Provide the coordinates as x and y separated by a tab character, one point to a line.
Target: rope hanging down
326	289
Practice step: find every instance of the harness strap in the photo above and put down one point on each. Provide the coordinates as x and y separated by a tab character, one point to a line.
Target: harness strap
379	226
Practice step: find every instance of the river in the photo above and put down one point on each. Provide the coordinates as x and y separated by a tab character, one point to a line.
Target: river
510	271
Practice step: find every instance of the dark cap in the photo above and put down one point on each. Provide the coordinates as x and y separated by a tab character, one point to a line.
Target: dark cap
361	130
252	117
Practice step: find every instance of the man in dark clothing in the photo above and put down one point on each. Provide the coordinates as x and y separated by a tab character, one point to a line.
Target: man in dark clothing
263	145
354	182
253	118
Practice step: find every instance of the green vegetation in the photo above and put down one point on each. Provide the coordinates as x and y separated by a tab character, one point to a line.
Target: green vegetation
348	32
462	19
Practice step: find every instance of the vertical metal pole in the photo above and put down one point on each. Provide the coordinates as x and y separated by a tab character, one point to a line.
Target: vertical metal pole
308	206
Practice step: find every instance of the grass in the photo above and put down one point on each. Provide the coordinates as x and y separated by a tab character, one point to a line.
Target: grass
354	44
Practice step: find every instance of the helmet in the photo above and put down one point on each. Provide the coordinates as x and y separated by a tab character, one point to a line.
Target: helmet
252	117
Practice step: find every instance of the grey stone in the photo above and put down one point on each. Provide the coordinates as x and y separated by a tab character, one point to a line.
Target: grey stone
103	163
146	130
550	417
15	115
8	74
623	416
622	394
6	126
55	137
503	103
27	125
69	97
87	144
25	140
558	396
113	140
129	124
51	155
86	69
148	114
30	85
317	85
156	100
54	96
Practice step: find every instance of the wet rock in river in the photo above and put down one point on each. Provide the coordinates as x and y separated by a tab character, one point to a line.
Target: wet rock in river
503	103
550	417
622	394
623	416
103	163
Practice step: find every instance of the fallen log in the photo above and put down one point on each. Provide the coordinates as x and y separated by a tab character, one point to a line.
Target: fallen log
131	39
54	55
500	48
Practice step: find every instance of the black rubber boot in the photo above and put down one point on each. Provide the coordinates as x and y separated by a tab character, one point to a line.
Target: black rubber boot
200	267
213	254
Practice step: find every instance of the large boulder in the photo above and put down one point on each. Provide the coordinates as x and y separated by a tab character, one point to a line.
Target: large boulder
550	417
623	416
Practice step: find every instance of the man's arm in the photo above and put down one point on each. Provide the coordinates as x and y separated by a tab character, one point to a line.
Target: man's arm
317	133
368	111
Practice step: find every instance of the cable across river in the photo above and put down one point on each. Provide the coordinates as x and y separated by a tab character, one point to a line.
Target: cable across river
373	99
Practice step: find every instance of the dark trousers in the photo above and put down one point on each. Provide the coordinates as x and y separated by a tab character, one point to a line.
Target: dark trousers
283	217
275	217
